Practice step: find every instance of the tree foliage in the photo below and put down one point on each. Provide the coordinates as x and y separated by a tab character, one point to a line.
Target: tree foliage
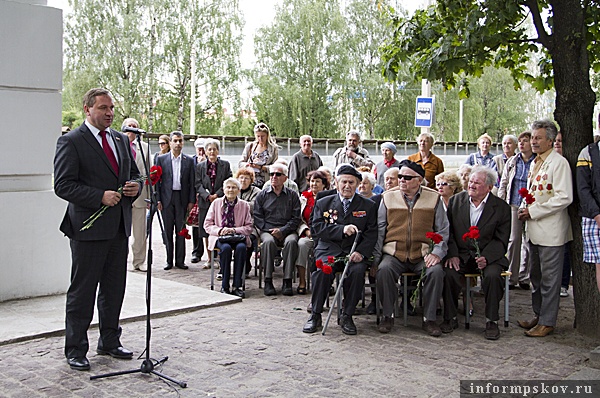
141	52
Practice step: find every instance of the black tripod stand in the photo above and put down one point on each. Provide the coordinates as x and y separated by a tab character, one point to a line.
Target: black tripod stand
148	364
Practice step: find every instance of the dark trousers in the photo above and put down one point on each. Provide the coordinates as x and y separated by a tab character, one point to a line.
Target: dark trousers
95	263
174	220
493	288
238	264
353	286
198	250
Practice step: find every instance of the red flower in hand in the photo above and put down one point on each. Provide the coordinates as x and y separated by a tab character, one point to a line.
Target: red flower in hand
319	264
185	233
327	269
523	192
330	259
474	232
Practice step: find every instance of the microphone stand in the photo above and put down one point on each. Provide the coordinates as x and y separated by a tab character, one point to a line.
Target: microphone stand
148	364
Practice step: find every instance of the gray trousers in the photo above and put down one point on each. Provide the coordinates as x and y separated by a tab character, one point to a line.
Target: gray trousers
388	272
353	286
518	250
492	285
305	246
268	251
546	274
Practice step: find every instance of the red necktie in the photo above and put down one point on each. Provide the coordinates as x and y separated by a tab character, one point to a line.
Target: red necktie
133	150
109	153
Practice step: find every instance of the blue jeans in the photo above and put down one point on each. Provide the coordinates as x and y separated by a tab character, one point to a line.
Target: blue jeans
225	262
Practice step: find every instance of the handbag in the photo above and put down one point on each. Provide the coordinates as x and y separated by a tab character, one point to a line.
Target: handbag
232	239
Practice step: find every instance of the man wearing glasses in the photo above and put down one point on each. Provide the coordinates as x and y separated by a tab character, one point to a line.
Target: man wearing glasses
277	217
404	218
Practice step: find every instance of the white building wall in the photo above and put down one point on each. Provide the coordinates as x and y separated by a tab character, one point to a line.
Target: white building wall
34	255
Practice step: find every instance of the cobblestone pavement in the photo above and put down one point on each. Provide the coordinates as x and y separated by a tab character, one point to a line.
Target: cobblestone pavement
257	348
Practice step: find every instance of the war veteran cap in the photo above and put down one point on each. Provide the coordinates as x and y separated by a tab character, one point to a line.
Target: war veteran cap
413	166
346	169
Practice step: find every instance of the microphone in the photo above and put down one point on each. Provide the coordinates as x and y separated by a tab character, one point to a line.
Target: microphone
127	129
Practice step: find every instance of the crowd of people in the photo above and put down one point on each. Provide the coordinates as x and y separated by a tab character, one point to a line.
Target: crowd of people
378	221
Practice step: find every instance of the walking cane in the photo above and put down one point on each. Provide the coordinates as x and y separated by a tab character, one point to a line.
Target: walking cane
340	284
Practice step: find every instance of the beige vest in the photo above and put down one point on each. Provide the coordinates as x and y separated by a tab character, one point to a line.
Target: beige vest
405	233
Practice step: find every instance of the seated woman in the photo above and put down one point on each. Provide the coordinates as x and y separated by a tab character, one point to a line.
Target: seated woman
366	186
448	183
249	192
317	182
227	216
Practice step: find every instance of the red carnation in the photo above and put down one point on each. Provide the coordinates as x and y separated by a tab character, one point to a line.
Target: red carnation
185	233
474	233
330	259
327	269
466	236
155	174
319	264
529	199
436	238
523	192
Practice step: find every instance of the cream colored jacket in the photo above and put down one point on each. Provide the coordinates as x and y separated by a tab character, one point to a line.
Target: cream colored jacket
552	187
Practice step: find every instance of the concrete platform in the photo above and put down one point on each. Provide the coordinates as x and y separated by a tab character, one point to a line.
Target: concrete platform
45	316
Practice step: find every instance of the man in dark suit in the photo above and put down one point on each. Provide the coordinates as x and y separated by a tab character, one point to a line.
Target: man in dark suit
336	220
93	167
176	197
477	207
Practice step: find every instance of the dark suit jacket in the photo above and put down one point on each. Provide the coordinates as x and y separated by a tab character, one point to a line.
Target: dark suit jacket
331	239
82	173
203	186
494	229
165	185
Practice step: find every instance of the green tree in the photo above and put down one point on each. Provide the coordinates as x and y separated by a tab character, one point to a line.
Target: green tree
301	60
457	39
105	44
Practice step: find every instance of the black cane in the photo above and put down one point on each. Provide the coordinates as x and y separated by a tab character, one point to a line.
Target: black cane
340	284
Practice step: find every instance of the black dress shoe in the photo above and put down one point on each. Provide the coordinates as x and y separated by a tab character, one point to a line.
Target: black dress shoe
286	289
524	285
491	331
269	289
313	323
238	292
117	352
168	267
195	260
79	363
223	290
371	308
181	266
449	325
348	326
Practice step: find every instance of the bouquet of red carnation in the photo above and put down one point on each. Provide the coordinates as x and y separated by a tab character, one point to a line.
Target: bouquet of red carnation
326	268
473	234
527	197
185	233
434	239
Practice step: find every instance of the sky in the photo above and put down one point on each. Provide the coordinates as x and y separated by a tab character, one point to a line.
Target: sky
257	13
